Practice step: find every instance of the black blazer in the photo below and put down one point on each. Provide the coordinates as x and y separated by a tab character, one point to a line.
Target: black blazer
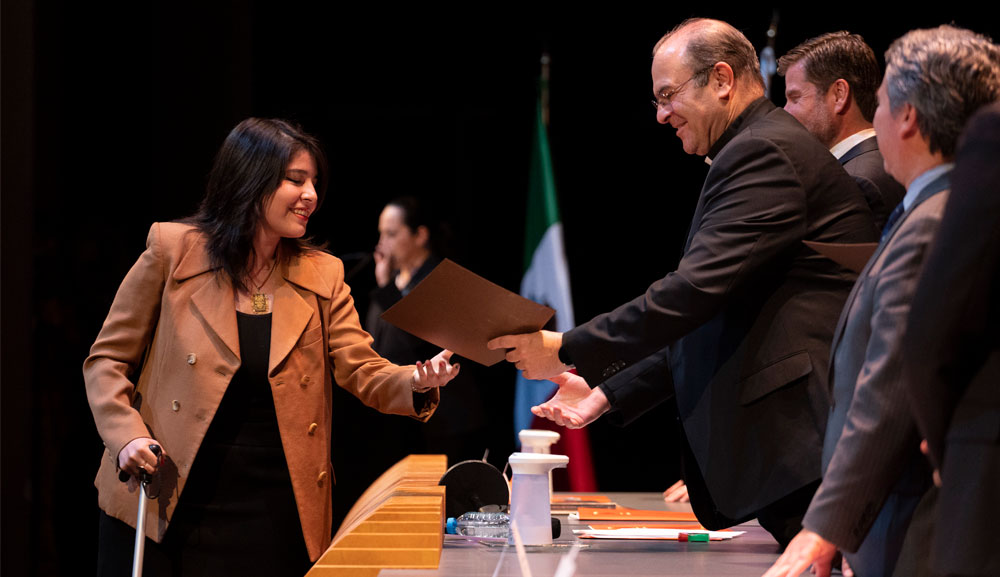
864	162
952	354
748	315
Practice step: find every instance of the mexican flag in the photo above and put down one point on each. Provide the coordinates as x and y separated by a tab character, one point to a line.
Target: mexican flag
546	281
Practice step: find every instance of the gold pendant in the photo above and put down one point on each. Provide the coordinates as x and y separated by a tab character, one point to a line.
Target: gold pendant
259	303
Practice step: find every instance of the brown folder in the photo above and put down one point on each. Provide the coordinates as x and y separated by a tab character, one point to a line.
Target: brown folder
850	256
456	309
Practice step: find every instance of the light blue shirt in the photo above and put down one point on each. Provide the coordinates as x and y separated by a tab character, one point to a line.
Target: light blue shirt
920	183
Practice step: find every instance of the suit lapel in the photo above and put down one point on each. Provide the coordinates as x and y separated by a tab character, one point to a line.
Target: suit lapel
848	305
866	145
937	185
215	300
293	312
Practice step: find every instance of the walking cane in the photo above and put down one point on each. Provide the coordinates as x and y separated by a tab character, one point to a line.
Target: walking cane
140	523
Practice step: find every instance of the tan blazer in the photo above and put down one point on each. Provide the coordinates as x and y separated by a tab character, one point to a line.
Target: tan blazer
315	339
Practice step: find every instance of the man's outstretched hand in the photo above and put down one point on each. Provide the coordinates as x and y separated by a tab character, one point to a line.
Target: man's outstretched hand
575	404
536	354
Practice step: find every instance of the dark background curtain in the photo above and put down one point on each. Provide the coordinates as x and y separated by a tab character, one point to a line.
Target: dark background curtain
111	117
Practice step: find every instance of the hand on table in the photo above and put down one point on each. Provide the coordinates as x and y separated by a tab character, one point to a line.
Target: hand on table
575	404
434	373
536	354
677	493
805	549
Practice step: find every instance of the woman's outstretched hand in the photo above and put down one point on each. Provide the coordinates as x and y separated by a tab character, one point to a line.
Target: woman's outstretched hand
434	373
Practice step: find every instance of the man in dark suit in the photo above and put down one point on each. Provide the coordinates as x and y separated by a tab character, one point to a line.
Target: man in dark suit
747	317
876	475
830	84
952	357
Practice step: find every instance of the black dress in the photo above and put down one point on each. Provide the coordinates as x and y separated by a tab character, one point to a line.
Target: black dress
459	427
237	513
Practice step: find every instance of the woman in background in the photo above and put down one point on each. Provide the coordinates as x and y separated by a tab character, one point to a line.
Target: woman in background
403	257
240	328
411	243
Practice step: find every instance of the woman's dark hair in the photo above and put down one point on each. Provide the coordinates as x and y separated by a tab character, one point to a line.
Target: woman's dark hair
415	215
248	170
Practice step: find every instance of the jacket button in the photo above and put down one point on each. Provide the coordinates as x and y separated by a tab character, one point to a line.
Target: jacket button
321	479
192	359
304	381
312	428
613	368
176	405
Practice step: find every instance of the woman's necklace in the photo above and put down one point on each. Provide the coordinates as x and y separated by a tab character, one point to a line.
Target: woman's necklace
258	300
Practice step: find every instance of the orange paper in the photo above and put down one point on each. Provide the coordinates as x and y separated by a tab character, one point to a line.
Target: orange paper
630	515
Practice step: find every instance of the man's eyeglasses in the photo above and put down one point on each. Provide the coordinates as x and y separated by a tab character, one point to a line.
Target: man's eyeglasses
665	97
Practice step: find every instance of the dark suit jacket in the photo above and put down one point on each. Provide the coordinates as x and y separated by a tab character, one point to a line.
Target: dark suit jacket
864	162
952	354
871	445
748	314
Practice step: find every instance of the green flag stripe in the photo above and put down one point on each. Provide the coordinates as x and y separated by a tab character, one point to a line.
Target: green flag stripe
542	209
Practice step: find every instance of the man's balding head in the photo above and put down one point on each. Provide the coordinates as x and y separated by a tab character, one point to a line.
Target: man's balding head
709	41
705	73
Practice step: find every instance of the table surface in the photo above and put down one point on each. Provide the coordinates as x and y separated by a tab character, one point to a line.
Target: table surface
749	554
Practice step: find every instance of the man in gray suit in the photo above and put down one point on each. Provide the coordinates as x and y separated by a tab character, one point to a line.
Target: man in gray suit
875	475
830	84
